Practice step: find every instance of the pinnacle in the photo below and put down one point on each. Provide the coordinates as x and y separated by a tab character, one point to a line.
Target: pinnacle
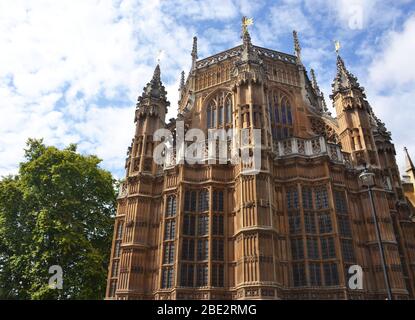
156	74
408	160
155	88
314	81
344	79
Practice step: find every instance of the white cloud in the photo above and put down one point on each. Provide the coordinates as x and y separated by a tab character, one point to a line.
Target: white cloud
71	70
391	86
60	59
393	68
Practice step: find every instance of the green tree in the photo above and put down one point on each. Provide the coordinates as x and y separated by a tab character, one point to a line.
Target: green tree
58	210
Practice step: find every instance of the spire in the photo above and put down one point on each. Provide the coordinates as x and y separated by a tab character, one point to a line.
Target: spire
409	164
297	47
194	53
156	74
344	79
182	80
319	93
314	81
324	105
155	88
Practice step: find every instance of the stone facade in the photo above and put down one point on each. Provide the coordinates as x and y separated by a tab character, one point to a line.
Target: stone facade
408	180
207	231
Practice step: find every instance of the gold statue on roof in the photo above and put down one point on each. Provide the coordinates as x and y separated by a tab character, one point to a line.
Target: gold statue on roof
245	23
337	46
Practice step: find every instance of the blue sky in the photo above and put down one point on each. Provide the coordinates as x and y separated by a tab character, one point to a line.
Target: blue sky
71	70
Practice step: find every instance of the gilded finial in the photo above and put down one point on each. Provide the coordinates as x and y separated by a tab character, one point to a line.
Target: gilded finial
245	34
245	23
337	46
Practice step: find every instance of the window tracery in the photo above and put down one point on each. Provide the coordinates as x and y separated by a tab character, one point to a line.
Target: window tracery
281	115
219	111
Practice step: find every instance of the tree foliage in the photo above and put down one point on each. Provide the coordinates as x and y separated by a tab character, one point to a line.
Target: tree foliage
58	210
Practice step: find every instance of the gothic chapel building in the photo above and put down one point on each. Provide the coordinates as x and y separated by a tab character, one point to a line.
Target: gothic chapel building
291	231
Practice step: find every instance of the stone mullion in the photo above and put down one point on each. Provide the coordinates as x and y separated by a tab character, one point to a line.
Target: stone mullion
226	209
242	225
162	242
130	250
110	266
351	226
336	233
388	236
270	204
264	115
304	234
315	215
405	265
287	227
210	215
143	145
180	194
251	114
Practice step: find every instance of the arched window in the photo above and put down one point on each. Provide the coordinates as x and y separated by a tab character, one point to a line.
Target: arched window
287	109
228	106
208	117
220	115
276	109
282	121
219	110
283	114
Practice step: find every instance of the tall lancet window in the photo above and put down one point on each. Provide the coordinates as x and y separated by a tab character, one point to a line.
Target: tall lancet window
276	107
220	116
209	117
284	114
228	107
280	115
214	124
287	111
219	111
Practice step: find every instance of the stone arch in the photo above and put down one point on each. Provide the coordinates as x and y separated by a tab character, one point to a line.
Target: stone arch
281	113
325	129
217	108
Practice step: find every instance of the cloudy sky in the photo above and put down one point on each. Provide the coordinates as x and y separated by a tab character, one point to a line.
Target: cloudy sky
71	70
